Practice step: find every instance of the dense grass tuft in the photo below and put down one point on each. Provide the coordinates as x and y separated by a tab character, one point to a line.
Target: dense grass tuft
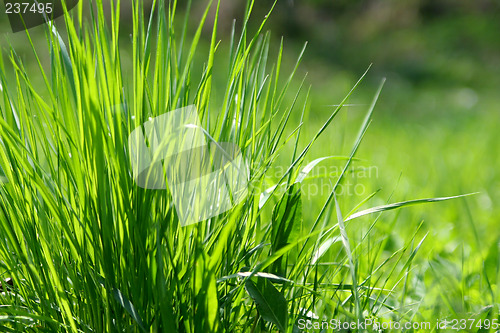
84	249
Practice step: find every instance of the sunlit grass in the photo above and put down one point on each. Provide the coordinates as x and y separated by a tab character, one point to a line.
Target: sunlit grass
85	249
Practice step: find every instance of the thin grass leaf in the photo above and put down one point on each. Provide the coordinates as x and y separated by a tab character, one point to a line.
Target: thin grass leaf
402	204
352	267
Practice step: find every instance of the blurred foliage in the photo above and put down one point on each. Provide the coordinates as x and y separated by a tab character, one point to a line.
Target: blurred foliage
435	128
420	41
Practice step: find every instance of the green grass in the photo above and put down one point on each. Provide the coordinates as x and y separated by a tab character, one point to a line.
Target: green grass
85	249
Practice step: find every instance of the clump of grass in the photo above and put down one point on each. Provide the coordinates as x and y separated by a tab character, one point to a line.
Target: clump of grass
86	250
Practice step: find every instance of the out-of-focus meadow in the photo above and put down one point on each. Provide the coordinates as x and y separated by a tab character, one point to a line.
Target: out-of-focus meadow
434	131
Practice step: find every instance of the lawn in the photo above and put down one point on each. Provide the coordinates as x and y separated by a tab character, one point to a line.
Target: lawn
364	191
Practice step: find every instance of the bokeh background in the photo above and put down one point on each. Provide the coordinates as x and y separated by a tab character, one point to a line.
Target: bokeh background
434	131
436	125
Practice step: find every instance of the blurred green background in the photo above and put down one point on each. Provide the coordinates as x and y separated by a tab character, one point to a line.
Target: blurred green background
435	129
